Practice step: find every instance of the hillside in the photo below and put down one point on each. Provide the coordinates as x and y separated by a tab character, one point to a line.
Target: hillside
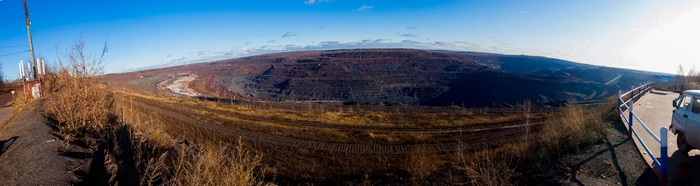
408	76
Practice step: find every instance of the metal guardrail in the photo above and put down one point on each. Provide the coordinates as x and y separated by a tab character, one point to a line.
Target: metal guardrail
663	140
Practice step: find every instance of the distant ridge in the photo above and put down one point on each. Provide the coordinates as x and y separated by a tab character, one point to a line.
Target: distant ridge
409	76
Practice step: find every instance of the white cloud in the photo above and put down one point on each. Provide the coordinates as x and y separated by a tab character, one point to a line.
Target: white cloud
289	34
310	2
407	35
364	7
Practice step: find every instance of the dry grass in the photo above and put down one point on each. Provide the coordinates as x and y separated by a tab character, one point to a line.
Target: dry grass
350	117
491	168
328	131
572	127
422	163
78	101
19	104
145	148
218	165
137	150
569	128
149	155
567	132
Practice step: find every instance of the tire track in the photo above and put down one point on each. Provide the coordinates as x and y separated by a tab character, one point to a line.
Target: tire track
476	141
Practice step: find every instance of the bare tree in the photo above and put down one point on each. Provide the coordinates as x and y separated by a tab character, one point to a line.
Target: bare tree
2	78
680	77
693	78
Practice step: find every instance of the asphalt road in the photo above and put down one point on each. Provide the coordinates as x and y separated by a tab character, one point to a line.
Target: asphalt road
5	110
655	109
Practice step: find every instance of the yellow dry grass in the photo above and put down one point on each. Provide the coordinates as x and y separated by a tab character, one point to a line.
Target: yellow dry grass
139	150
343	117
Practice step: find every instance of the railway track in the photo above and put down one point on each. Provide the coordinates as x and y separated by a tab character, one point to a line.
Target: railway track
376	129
466	139
329	106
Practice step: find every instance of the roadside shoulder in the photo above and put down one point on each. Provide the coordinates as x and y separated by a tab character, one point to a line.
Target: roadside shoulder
31	155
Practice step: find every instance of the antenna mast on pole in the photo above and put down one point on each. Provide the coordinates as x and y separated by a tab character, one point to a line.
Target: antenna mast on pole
29	36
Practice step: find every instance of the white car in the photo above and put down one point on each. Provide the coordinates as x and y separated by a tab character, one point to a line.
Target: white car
686	120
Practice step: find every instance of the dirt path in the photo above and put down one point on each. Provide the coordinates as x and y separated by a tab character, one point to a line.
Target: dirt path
476	138
30	152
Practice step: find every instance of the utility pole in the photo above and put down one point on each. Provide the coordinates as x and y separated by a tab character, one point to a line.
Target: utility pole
29	35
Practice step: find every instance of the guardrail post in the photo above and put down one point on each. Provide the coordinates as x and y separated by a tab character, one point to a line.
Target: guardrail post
639	90
632	95
631	118
619	103
645	86
664	157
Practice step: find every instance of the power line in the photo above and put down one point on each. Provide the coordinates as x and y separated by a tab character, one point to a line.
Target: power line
13	53
8	19
9	46
10	15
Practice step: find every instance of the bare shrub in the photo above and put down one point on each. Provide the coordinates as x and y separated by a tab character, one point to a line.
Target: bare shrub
79	103
421	163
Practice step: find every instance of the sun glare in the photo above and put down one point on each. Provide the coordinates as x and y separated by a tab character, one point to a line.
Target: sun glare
673	42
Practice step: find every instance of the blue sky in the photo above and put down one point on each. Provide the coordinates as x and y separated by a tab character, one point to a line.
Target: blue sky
642	34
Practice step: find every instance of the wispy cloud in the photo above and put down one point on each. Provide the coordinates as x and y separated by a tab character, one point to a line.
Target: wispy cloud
467	45
271	41
364	8
322	27
310	2
523	11
329	42
406	34
443	44
411	27
289	34
410	42
377	40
